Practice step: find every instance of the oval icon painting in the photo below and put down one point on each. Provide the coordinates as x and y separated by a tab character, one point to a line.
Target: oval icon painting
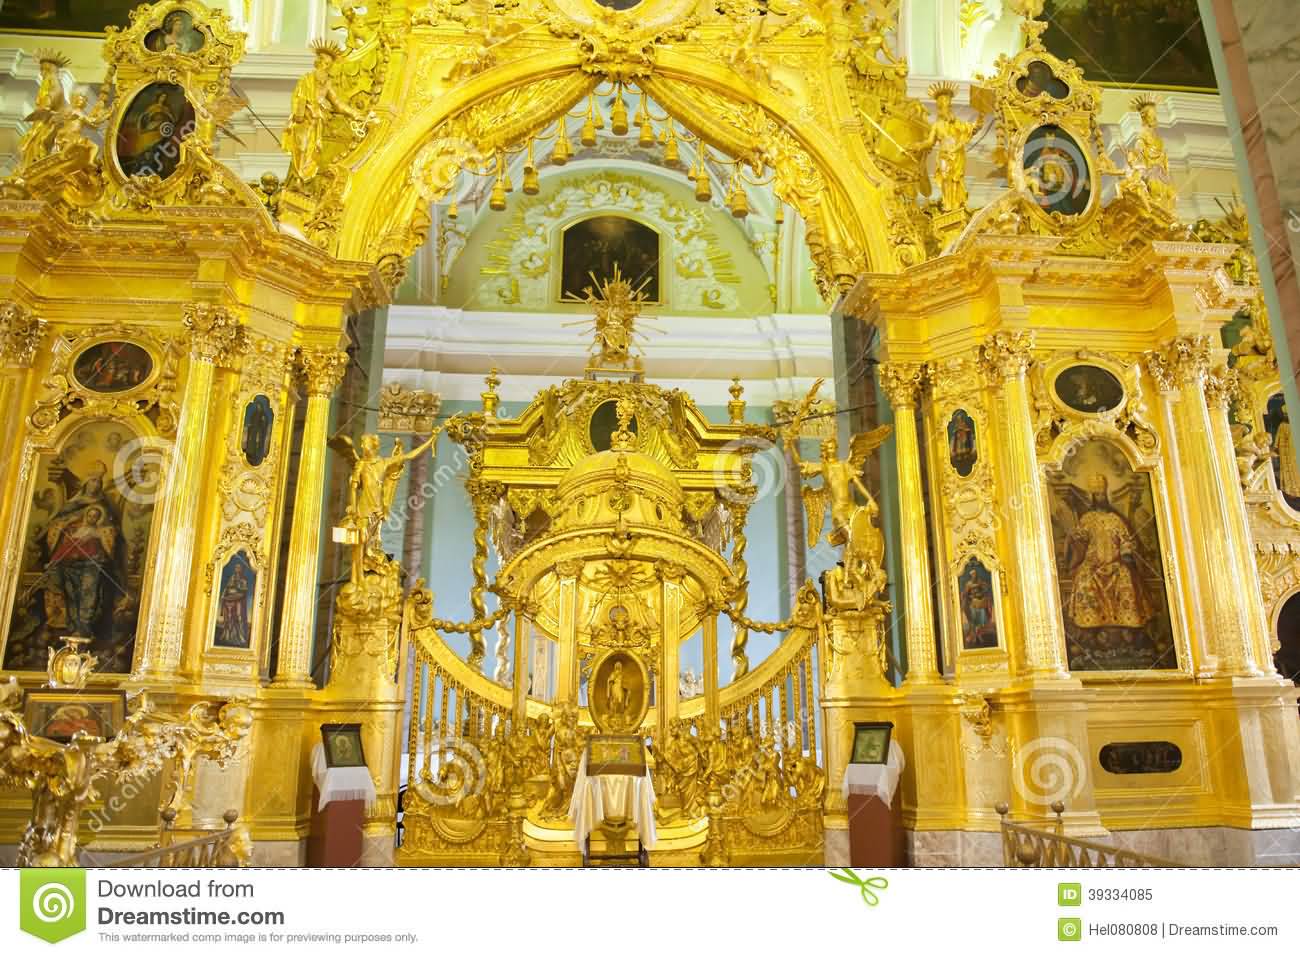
1056	171
110	367
1089	389
153	128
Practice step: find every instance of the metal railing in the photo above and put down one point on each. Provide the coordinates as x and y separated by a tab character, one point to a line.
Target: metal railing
1024	846
213	849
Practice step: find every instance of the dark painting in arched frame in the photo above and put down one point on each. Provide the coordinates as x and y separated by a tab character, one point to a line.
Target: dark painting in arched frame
591	248
963	451
255	439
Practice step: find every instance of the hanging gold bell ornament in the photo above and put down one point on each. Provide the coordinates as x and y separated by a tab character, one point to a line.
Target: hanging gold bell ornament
497	201
671	154
453	210
703	191
618	117
588	135
563	149
532	183
737	201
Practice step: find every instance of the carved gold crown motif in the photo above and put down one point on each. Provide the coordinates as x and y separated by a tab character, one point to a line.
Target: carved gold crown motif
1143	100
46	55
942	88
327	48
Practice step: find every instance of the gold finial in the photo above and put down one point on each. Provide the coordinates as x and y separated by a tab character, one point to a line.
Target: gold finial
327	48
47	55
736	407
490	398
942	88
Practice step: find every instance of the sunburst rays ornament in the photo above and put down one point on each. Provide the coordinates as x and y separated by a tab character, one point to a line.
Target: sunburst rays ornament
617	306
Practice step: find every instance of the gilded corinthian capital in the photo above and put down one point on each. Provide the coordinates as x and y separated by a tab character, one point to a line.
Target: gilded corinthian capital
1221	386
1006	355
216	335
1182	361
20	334
403	409
322	369
902	382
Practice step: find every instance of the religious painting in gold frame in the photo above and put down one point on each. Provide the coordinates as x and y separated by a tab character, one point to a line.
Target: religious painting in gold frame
595	245
1110	571
83	545
60	713
618	694
615	754
1136	43
76	18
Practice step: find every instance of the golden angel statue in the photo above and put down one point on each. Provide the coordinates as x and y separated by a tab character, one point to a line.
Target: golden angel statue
51	99
949	136
371	491
314	104
1147	177
861	575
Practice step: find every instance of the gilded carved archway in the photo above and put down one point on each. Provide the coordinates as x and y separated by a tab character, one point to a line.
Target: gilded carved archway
793	94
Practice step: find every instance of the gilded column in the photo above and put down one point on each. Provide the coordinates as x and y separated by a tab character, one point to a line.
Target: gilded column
902	383
1183	367
1221	387
670	615
1005	357
20	336
322	371
566	666
216	338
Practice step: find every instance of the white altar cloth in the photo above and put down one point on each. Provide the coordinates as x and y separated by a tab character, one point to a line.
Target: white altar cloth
876	780
340	784
592	796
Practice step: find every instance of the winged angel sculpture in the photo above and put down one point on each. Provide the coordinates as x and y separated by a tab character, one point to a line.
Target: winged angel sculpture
371	492
861	575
